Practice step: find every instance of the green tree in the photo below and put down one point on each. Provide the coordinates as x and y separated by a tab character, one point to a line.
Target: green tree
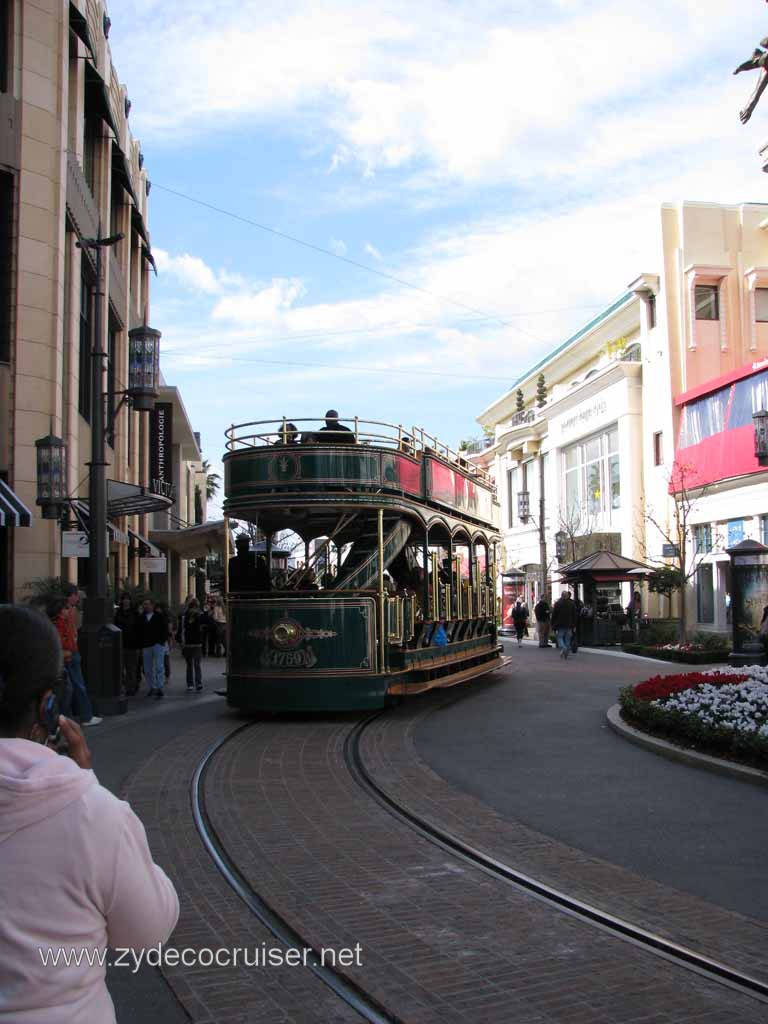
541	391
211	481
666	580
520	400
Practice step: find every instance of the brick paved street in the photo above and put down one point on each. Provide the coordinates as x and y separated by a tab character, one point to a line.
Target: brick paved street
441	941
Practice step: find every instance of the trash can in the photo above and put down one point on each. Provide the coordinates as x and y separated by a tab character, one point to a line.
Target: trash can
102	652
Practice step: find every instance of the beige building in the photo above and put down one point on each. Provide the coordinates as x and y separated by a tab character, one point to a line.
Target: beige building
658	390
70	170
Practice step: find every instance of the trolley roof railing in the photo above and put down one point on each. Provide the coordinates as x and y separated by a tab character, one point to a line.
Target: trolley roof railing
306	431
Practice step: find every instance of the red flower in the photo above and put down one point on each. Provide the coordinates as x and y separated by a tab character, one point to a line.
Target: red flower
660	687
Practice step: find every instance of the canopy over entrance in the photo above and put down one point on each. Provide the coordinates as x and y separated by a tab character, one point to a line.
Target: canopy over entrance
194	541
605	567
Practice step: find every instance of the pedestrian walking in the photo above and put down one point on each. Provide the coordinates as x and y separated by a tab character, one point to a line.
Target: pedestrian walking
219	616
76	871
563	622
125	620
520	620
208	628
576	633
152	631
192	644
542	613
77	700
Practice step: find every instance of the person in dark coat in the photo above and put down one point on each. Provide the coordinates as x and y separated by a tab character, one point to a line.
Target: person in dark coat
125	620
564	622
192	644
339	433
542	612
520	620
152	635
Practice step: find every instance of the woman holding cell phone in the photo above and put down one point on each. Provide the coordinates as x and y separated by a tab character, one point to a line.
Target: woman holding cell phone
75	867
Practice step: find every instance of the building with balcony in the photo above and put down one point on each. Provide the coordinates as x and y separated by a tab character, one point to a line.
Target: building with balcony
70	171
649	403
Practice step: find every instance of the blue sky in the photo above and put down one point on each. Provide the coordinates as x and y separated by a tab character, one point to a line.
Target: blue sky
507	157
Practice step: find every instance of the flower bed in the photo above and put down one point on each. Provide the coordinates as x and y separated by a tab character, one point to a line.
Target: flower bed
688	654
722	712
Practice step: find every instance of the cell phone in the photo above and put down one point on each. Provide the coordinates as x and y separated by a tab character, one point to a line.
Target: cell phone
51	718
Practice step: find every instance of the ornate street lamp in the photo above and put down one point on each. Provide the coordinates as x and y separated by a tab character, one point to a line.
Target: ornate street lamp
760	420
51	476
143	367
561	539
524	506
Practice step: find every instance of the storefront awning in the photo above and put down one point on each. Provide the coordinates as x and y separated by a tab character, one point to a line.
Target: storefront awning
132	500
605	567
152	550
83	514
13	511
193	541
79	25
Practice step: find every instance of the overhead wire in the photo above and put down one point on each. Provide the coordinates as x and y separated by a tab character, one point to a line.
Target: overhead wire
344	259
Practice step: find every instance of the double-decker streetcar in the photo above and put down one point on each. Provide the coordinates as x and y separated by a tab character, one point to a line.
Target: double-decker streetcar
395	592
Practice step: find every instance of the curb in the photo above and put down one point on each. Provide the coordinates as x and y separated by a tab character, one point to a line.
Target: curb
690	757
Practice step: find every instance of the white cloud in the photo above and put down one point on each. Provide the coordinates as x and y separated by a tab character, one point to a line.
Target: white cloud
194	273
371	250
260	307
339	247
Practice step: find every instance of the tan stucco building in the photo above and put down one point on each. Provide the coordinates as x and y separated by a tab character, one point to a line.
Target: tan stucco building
70	170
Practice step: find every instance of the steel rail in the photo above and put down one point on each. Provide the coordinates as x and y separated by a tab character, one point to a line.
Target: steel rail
673	952
354	996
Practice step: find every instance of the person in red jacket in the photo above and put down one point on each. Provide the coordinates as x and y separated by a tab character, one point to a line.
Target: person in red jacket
78	701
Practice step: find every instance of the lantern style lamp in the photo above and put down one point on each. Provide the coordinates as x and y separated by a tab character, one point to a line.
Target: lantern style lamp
760	420
51	478
560	549
524	505
143	367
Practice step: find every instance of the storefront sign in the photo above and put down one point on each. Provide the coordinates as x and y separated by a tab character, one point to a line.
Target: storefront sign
161	448
158	564
584	420
74	544
670	551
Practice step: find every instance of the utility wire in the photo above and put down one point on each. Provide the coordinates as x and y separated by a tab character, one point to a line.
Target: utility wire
343	259
415	372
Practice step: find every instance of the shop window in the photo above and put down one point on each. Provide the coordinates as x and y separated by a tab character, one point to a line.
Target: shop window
84	394
511	497
6	265
658	448
702	538
705	594
651	312
593	476
764	530
707	302
735	531
749	396
703	418
761	305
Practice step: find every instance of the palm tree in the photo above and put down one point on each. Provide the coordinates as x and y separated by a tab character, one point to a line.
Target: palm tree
211	480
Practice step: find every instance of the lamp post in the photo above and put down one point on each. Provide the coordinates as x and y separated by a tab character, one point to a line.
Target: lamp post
760	420
102	641
524	506
561	550
51	476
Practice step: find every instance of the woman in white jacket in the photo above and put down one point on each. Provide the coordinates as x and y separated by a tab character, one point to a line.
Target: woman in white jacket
76	872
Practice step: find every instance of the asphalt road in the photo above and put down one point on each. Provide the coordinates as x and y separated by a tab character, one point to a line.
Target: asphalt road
533	743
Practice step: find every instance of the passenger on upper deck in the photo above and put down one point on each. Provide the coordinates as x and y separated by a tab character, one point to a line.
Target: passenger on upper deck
406	447
288	434
342	434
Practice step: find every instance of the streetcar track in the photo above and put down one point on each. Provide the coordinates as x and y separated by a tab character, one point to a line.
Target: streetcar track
672	952
353	995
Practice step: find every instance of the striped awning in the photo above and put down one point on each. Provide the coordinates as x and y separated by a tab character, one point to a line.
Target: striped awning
143	542
83	515
13	511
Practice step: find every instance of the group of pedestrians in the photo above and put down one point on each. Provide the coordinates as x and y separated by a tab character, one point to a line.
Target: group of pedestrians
149	633
562	619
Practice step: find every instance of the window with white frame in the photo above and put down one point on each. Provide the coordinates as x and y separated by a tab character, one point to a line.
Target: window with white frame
707	302
593	476
702	538
761	305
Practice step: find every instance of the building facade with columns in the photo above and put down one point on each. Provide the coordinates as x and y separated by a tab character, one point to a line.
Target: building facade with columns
647	407
71	171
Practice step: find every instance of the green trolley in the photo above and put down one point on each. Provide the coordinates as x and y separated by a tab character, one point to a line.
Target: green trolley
395	590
